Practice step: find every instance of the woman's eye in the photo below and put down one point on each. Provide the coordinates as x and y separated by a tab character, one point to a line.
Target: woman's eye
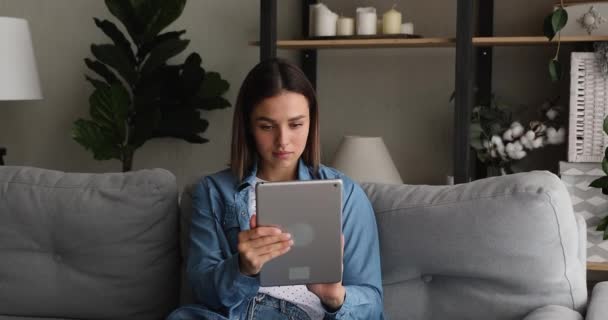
265	127
295	125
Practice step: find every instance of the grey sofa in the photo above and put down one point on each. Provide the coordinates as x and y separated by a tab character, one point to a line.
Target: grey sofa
107	246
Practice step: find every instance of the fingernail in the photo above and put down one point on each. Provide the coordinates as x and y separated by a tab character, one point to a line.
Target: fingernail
288	235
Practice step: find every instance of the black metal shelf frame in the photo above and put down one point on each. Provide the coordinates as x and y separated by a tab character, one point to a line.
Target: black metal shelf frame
466	57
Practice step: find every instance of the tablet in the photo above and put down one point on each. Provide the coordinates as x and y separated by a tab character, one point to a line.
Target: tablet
311	211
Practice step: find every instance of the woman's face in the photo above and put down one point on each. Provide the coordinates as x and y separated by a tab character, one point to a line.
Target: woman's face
280	127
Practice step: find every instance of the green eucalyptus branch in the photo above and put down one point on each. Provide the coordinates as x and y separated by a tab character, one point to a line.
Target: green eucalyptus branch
552	26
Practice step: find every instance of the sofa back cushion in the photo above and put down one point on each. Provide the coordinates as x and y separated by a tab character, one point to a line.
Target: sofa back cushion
496	248
88	246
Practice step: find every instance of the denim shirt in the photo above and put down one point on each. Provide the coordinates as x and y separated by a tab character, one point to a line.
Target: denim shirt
220	212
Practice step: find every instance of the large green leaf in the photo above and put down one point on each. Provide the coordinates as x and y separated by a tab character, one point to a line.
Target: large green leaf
600	182
559	18
158	14
192	76
117	37
602	224
94	138
555	70
183	124
115	58
146	121
161	53
102	70
98	84
145	48
125	12
213	85
110	109
214	103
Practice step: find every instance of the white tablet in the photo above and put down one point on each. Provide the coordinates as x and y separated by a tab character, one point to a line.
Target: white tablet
311	211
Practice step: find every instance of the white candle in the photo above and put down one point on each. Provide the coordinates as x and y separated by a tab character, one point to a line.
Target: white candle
366	21
324	21
391	22
407	28
345	26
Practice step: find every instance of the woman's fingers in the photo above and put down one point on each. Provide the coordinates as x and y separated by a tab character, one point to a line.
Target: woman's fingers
258	232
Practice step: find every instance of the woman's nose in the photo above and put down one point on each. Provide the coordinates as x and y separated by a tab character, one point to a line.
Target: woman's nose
282	137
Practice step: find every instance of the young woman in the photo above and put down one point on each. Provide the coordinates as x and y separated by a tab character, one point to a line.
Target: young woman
275	137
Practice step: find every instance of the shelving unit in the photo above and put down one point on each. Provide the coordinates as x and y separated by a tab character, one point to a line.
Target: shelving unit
425	42
472	49
597	266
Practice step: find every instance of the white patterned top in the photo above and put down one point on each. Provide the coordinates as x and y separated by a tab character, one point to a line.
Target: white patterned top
299	295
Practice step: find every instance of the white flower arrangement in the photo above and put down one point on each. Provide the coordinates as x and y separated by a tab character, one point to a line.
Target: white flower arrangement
500	141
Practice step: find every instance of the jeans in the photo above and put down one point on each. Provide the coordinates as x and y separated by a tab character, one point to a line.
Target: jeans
261	307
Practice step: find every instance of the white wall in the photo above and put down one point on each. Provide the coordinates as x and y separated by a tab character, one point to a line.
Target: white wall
37	133
400	94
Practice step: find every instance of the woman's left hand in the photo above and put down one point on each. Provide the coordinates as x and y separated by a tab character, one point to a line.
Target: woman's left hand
331	294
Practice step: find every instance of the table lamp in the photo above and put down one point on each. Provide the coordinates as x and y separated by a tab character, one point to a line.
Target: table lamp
366	159
18	73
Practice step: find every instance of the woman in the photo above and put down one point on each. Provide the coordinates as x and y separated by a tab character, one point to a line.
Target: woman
275	137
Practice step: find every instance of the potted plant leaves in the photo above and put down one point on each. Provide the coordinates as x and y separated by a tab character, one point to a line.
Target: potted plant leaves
138	96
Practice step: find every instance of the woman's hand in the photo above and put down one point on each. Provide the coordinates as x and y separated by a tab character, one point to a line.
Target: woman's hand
331	294
259	245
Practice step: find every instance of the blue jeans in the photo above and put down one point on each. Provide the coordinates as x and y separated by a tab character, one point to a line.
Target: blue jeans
261	307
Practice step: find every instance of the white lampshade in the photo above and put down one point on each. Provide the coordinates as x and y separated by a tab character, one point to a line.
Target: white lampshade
366	159
18	72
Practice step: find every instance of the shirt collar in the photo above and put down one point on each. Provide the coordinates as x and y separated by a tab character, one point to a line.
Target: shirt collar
250	179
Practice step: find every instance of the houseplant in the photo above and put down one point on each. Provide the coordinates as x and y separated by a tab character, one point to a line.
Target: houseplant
137	94
602	183
499	141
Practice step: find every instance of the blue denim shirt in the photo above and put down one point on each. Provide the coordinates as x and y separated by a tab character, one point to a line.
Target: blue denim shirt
220	212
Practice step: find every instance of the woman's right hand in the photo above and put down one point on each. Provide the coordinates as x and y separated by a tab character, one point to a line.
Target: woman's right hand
259	245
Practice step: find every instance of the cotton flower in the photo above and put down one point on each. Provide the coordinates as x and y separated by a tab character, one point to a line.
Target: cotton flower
551	114
518	151
515	150
508	135
537	143
556	136
517	129
538	127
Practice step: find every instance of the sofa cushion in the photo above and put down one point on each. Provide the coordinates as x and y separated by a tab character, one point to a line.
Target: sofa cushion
497	248
88	246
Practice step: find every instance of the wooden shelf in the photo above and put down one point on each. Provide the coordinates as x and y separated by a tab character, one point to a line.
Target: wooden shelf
427	42
597	266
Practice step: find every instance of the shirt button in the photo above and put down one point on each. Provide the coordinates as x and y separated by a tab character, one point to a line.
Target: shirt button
243	213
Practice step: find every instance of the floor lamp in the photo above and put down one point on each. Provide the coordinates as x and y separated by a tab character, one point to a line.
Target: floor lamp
18	73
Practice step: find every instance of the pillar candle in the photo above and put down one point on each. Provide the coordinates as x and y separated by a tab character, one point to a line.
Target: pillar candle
407	28
366	21
345	26
391	22
324	21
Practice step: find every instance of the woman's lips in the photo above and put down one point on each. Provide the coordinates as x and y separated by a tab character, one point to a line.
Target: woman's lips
281	155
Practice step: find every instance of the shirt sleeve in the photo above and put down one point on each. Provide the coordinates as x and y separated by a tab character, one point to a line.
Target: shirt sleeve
213	271
362	273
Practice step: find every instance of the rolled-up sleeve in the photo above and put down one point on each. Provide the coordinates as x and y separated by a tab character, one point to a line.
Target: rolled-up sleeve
362	273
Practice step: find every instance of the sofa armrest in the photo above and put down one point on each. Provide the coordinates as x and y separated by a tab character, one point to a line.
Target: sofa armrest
598	304
554	312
